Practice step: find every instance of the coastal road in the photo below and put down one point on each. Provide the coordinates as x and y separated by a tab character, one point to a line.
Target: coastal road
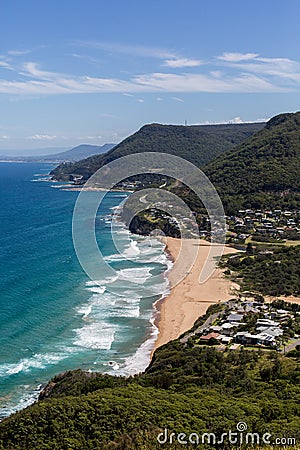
202	327
291	346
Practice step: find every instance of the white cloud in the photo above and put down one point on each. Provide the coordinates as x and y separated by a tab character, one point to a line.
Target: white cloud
205	83
243	73
276	67
159	99
235	120
177	99
41	137
282	68
182	62
18	52
26	51
5	65
89	138
236	57
127	49
32	70
109	116
216	73
4	136
171	59
47	83
140	100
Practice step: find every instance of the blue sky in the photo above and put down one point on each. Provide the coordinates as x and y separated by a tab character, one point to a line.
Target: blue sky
94	71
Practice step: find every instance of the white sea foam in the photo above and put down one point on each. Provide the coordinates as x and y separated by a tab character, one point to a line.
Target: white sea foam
122	231
131	309
126	312
98	336
97	290
130	252
141	359
161	289
104	281
130	293
135	275
113	364
98	333
85	310
27	398
114	257
153	257
62	186
15	368
36	361
110	305
98	304
41	177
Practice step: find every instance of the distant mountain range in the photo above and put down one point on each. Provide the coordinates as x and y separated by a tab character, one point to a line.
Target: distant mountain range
75	154
198	144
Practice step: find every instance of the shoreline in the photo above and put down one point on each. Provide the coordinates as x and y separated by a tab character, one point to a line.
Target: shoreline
177	312
188	300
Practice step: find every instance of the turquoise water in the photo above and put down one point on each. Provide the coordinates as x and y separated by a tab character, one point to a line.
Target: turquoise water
52	316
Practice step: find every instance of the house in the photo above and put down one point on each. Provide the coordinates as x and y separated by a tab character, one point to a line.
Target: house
216	328
228	328
235	317
266	339
280	314
273	331
266	323
209	336
250	308
246	338
225	339
259	304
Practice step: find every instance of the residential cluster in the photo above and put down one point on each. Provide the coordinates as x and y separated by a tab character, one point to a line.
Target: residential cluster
264	225
248	323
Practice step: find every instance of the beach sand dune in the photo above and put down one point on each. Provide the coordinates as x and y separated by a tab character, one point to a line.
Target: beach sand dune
189	300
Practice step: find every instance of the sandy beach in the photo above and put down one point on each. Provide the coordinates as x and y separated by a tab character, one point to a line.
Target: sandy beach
189	300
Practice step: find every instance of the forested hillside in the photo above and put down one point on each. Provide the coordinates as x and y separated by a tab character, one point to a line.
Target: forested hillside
198	144
264	171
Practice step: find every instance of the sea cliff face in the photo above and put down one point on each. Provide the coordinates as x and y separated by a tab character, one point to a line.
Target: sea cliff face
145	225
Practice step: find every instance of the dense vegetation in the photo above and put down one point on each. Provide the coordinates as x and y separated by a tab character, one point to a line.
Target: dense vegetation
262	172
187	388
251	166
198	144
275	272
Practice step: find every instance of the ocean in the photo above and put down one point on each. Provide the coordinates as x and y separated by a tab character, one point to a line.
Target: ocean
53	318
